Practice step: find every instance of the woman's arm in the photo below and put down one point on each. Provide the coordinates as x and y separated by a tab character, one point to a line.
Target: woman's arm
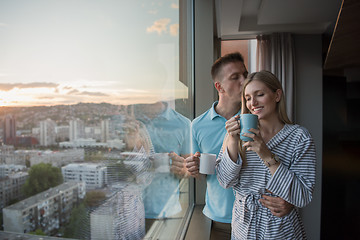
296	183
227	170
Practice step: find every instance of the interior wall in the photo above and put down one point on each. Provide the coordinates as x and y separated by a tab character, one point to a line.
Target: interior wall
203	45
204	94
308	54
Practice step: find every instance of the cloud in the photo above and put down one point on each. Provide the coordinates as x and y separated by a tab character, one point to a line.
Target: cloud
10	86
153	12
86	93
3	24
98	94
159	26
174	29
72	92
131	90
174	5
45	97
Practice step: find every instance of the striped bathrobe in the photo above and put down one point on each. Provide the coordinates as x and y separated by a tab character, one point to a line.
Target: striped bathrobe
293	181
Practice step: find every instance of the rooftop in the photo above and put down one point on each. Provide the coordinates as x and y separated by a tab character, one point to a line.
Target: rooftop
26	203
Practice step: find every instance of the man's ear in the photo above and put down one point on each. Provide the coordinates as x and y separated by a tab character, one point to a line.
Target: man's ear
218	87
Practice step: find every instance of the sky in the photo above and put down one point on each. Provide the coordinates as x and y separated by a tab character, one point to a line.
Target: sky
64	52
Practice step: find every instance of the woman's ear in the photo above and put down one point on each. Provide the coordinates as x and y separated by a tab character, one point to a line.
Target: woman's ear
278	95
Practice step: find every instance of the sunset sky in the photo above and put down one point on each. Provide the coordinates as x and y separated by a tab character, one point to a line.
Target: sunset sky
65	52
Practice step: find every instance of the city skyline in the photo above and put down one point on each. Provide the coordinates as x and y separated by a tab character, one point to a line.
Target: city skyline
56	52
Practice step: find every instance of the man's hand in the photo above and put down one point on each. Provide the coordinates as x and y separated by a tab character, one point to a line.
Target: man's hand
278	206
177	165
192	164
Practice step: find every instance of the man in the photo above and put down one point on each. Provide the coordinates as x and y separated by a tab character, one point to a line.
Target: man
169	133
208	131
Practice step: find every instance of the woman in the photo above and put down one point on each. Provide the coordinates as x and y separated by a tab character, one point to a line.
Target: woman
280	161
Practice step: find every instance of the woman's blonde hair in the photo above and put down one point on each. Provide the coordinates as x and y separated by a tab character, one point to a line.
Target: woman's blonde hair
273	83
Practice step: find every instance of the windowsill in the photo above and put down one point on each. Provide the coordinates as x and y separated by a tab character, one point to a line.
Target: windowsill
173	226
190	224
200	226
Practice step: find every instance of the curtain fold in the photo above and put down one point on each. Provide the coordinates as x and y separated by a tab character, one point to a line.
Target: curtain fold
276	53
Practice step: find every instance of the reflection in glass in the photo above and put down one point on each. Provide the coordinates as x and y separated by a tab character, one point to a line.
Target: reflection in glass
169	133
89	89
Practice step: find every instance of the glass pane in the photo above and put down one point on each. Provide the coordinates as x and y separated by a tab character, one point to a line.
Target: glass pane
94	113
247	48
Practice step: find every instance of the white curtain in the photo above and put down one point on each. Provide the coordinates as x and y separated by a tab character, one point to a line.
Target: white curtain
275	53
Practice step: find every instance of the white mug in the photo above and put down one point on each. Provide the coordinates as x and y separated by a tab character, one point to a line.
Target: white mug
161	162
207	163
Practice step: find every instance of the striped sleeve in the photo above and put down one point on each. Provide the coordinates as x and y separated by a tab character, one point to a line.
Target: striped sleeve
295	183
227	171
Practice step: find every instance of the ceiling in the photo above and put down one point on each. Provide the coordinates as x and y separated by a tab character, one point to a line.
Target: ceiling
338	20
238	19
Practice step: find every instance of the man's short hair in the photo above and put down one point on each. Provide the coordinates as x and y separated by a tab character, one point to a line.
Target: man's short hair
220	62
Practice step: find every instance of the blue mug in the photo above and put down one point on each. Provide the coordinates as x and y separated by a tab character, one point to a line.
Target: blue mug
247	121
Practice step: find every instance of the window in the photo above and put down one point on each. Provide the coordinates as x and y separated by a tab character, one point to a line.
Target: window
246	47
100	83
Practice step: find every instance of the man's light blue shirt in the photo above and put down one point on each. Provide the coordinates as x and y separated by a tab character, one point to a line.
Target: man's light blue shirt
208	132
169	132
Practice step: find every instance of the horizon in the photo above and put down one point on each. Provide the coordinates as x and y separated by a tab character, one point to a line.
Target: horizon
71	104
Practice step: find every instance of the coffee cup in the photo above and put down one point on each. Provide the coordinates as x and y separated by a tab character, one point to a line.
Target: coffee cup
247	121
161	162
207	163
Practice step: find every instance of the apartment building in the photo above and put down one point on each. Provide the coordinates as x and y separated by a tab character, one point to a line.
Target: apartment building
6	154
47	132
8	169
47	211
11	187
93	175
76	129
58	158
9	129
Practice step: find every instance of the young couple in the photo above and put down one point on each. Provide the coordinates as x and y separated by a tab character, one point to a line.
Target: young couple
259	185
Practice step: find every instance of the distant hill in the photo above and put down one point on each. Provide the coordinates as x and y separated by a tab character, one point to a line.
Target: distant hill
90	113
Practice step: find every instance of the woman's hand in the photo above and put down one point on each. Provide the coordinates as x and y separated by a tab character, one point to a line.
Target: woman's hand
257	145
231	141
232	126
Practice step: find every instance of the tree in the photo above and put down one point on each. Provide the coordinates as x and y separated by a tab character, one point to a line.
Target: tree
38	232
42	176
78	225
27	163
94	198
